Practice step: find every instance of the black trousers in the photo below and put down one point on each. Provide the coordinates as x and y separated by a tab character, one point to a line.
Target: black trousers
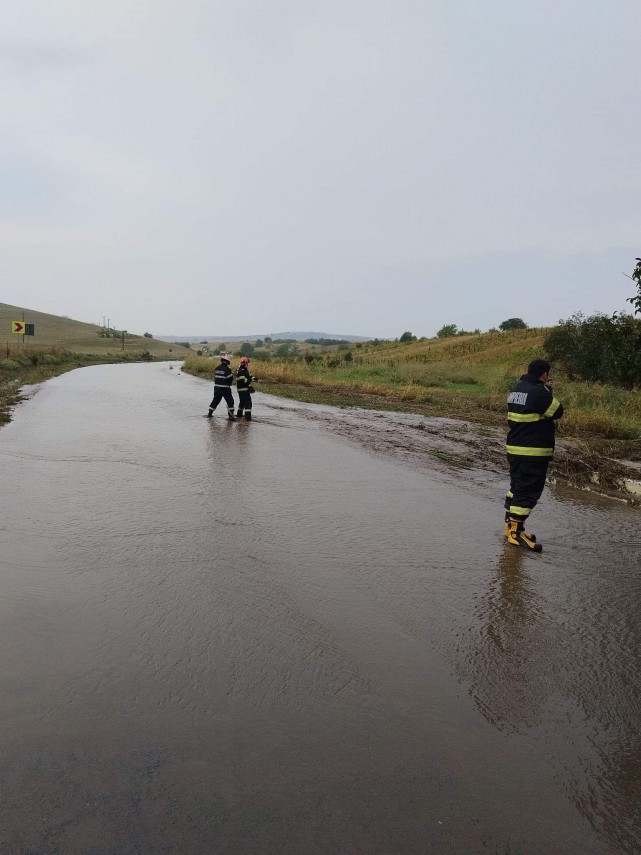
527	480
244	401
221	392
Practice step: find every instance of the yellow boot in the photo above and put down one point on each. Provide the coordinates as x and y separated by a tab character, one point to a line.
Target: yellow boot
507	529
516	536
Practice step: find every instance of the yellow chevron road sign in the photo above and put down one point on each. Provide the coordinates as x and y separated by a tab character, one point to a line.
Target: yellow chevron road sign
18	327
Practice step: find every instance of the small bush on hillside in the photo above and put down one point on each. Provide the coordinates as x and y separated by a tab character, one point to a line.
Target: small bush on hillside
513	324
263	355
407	336
287	348
146	356
447	330
599	348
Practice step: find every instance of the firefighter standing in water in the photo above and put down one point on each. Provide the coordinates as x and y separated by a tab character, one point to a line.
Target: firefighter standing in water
532	411
244	386
223	378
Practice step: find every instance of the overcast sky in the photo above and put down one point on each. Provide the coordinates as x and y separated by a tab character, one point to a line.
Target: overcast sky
346	166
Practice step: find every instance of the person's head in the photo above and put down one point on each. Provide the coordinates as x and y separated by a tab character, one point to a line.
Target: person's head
224	357
244	360
539	368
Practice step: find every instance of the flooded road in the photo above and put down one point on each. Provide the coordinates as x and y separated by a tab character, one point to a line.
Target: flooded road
272	638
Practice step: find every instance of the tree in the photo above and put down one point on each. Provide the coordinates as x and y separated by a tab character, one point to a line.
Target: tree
636	277
598	349
147	335
247	349
513	324
407	336
447	330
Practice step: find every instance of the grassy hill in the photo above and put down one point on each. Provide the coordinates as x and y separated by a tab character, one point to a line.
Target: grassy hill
462	377
55	331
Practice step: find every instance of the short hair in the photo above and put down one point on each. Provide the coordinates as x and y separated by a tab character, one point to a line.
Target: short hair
538	367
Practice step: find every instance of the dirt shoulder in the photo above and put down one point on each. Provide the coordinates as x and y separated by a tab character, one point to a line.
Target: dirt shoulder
476	444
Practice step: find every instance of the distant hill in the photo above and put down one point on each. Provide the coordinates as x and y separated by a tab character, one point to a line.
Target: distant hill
76	336
295	334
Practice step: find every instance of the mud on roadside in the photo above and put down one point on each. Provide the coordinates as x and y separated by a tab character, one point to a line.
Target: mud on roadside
449	444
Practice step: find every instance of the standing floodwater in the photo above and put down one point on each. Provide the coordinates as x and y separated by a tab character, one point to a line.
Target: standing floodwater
264	638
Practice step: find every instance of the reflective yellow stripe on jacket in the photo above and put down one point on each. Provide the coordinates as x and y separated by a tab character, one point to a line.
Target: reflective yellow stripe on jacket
524	417
551	410
526	451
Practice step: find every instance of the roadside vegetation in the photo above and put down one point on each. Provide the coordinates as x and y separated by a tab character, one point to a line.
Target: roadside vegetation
454	376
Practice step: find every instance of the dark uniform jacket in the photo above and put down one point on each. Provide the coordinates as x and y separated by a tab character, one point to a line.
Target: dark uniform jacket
244	379
223	375
532	410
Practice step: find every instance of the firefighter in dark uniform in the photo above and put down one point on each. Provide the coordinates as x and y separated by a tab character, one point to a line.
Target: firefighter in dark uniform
223	378
244	386
532	411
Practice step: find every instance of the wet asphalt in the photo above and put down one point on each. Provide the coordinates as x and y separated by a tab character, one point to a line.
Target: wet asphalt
275	638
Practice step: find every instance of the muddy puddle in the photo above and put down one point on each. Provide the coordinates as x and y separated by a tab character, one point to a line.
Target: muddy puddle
301	635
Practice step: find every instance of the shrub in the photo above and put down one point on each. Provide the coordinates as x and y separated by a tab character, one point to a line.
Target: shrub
598	348
447	330
513	324
9	365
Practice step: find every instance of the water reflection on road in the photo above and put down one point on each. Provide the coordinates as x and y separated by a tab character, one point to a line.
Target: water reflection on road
267	638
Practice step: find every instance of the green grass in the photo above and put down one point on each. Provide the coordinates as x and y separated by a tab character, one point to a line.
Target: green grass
466	377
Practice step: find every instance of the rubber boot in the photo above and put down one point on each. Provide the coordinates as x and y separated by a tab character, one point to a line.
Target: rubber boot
210	414
239	413
517	537
507	529
230	414
248	416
